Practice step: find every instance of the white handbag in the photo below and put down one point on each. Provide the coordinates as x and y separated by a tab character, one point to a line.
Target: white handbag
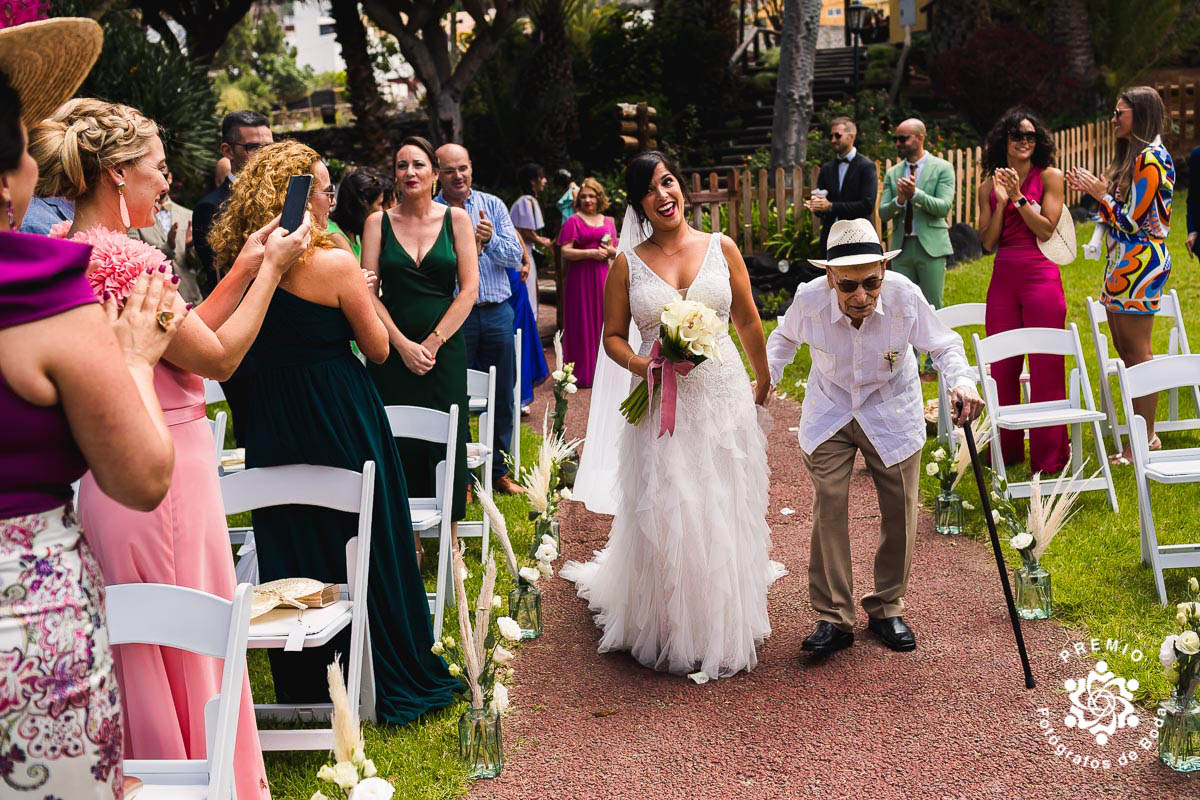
1061	246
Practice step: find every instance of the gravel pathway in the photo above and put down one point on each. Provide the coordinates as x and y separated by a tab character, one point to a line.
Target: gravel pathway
951	720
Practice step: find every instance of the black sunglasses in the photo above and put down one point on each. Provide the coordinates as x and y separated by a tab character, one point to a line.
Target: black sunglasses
1023	136
871	283
835	136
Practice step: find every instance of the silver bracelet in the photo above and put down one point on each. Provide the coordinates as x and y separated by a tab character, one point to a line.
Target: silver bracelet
632	356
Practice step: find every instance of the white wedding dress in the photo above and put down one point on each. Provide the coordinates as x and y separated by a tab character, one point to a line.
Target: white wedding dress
683	582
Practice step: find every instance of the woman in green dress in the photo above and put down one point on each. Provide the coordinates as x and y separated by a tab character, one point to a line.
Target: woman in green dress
309	401
426	257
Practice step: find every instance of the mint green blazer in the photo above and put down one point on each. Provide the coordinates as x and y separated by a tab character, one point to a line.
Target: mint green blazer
931	205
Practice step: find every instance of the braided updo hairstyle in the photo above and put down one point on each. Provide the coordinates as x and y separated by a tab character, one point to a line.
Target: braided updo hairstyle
82	140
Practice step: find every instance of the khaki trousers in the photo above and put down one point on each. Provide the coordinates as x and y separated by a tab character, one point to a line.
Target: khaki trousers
830	580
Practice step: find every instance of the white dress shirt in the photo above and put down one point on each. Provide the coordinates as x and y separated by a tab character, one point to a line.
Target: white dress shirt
851	376
908	171
844	165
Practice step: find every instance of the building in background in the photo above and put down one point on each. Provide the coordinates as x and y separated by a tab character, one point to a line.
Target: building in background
309	27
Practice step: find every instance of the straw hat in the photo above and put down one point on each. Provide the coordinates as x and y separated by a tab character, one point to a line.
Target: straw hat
853	242
47	60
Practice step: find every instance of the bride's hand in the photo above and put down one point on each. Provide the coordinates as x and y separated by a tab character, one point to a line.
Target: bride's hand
639	365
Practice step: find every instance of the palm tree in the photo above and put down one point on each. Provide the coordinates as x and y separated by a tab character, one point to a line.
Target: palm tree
551	116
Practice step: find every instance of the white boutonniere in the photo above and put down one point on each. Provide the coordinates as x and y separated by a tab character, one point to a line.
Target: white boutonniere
890	357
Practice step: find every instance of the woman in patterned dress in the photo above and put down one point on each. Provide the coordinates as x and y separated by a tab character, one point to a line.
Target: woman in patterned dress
1134	201
72	385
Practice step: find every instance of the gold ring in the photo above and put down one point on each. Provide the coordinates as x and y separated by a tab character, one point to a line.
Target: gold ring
163	318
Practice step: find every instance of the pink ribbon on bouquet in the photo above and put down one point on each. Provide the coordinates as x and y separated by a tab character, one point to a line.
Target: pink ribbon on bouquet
670	386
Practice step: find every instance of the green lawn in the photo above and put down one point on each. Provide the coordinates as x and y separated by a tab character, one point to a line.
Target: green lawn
421	759
1100	583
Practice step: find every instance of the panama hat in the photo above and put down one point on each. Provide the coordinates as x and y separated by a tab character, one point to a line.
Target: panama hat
46	61
852	243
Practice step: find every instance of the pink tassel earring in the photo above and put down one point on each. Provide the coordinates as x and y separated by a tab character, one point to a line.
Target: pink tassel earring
124	208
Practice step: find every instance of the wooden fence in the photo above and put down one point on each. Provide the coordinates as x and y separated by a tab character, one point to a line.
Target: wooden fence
1182	100
750	205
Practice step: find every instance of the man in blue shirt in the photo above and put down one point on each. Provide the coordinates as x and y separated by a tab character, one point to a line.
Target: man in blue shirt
46	212
488	330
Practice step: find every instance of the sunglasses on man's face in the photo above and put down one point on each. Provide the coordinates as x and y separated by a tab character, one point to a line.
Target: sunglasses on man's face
1023	136
871	283
835	135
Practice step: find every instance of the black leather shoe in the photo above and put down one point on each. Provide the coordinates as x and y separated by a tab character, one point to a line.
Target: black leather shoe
827	638
894	633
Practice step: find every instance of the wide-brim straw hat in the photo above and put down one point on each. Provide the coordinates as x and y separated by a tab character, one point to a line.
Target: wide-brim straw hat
284	591
47	60
852	243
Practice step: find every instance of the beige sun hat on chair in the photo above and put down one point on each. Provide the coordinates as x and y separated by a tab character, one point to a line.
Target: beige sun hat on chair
46	61
852	243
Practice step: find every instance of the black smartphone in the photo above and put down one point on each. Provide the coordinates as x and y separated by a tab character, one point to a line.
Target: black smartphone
296	202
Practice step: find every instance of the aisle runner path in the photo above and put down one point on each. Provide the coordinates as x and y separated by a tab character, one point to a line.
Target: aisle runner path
952	720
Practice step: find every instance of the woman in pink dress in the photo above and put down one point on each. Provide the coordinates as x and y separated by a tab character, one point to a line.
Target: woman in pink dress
109	160
589	243
1018	205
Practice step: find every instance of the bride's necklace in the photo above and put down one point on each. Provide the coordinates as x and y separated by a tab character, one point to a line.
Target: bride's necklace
664	251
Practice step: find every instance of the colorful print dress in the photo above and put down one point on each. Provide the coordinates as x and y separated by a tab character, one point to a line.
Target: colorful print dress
1138	260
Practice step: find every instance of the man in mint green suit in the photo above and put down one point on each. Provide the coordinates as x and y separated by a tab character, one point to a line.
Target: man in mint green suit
917	195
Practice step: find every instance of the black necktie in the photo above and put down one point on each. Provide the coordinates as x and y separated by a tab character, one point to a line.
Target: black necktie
908	207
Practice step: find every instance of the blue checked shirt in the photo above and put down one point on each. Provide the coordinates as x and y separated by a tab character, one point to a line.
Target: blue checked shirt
503	252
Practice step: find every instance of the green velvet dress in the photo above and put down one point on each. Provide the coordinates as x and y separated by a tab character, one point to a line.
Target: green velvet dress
417	296
309	401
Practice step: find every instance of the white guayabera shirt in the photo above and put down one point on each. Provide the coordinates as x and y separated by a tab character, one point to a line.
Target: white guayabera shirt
868	374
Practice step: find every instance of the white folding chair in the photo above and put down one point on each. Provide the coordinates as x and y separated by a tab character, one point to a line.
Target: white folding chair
1181	465
961	315
213	393
289	628
431	515
187	619
480	453
1177	344
1077	410
218	424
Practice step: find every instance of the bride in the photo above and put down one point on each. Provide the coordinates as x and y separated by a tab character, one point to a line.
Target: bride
683	582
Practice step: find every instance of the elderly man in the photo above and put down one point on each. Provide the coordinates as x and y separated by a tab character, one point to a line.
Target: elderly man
861	323
489	328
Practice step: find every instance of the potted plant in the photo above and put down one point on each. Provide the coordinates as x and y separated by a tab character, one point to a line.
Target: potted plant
1179	736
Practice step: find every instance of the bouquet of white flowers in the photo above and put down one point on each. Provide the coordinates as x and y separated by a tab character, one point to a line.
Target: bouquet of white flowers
1180	652
687	338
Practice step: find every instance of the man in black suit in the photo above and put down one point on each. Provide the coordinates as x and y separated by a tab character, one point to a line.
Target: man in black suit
242	133
847	185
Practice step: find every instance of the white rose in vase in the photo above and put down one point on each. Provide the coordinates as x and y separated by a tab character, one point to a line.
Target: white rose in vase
1022	541
931	469
546	552
545	568
1188	643
499	698
509	628
530	574
1166	651
502	656
345	774
373	789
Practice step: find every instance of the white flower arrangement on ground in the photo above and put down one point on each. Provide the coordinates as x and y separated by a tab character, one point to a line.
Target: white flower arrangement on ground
543	481
688	336
564	385
1180	652
949	470
1046	518
352	772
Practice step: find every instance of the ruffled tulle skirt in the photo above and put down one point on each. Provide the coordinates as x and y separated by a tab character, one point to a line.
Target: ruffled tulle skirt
682	584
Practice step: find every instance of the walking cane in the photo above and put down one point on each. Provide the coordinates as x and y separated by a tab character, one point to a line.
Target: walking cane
986	504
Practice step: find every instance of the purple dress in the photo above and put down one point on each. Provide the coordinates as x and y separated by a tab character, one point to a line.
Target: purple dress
59	702
583	313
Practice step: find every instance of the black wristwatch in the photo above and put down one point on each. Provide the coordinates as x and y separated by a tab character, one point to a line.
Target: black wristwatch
1021	202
